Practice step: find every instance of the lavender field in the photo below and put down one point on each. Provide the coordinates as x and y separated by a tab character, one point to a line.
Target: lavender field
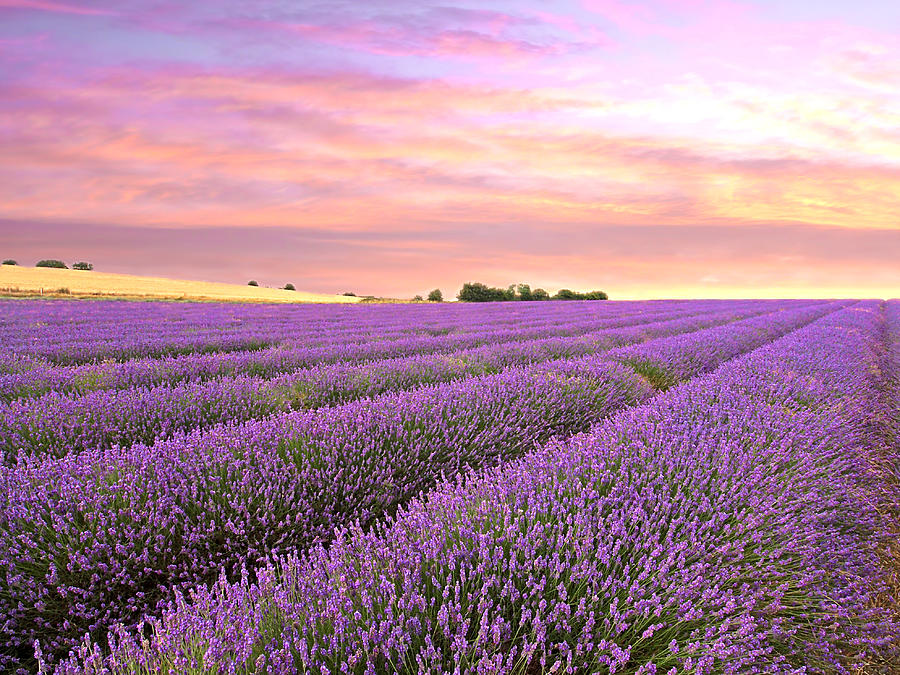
532	487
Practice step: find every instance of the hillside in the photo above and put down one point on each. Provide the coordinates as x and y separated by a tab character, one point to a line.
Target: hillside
19	281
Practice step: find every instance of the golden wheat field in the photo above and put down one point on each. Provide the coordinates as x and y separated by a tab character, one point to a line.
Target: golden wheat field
16	280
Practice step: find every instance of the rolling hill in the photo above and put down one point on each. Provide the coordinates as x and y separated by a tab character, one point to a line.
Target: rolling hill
30	281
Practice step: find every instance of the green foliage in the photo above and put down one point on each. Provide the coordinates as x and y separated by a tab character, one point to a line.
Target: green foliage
418	298
58	264
566	294
253	282
349	294
477	292
289	287
435	296
10	261
83	266
658	378
524	292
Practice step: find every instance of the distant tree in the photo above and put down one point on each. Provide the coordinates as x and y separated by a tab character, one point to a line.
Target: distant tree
253	282
289	287
566	294
436	296
474	291
350	294
58	264
524	292
10	261
418	298
477	292
82	266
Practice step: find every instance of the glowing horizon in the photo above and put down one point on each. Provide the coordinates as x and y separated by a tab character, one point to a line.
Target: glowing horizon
688	147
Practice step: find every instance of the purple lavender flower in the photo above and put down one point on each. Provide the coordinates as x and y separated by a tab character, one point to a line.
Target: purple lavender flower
728	525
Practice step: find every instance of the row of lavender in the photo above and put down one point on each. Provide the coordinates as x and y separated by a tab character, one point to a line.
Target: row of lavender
41	378
57	424
105	536
21	377
152	342
891	464
62	332
730	525
90	321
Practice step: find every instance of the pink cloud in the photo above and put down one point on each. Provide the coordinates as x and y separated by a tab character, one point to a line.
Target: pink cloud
476	126
398	40
49	6
432	31
632	17
255	147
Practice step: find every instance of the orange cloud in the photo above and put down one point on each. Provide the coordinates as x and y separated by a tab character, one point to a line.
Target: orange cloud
330	150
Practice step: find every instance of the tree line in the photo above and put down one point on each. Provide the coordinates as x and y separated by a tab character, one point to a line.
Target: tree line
56	264
478	292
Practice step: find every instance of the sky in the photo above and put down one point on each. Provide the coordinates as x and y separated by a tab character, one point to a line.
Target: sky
672	148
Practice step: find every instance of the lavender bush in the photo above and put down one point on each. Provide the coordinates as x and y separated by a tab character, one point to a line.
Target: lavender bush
127	528
226	488
57	424
68	333
327	344
103	536
727	526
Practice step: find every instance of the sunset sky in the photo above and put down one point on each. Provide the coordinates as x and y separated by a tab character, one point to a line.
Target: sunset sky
685	148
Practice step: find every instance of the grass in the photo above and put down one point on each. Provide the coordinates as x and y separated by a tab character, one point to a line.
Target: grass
31	282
